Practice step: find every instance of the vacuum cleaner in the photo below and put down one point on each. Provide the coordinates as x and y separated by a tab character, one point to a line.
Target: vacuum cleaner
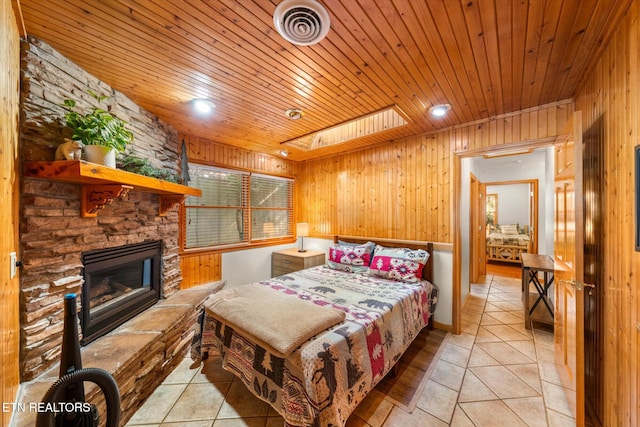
64	404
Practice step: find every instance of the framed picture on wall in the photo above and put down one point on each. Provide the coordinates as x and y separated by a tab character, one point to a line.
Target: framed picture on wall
492	209
637	191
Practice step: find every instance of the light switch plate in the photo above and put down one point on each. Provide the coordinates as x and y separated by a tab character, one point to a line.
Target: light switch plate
12	264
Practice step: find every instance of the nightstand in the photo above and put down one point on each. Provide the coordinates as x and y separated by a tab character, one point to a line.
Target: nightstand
289	260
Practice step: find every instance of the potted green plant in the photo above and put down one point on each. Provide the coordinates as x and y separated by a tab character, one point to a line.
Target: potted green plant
102	133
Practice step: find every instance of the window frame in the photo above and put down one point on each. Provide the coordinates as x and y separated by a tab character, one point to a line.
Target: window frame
250	242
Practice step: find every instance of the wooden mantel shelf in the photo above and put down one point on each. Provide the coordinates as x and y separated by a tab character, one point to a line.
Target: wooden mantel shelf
101	184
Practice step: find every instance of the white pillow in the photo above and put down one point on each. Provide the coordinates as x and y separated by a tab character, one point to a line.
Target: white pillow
509	229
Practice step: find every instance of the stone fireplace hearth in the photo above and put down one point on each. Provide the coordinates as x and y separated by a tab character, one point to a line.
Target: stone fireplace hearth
54	237
139	354
53	234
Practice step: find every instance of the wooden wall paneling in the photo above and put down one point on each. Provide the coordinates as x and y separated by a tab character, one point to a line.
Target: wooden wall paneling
515	128
412	183
389	179
206	151
524	126
486	135
445	191
634	259
387	173
608	92
200	268
364	169
598	15
9	192
534	124
401	189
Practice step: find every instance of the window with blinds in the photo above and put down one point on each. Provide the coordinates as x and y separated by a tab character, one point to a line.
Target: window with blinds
237	208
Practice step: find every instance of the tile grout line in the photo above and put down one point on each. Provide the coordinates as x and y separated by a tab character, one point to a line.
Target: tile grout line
467	369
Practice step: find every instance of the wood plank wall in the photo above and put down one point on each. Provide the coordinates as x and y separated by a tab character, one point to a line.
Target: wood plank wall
9	303
399	190
611	93
403	190
202	266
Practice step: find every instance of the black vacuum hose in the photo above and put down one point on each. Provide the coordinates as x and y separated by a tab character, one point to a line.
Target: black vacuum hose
100	377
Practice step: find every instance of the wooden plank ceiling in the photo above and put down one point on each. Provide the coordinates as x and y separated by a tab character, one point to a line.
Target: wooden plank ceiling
484	57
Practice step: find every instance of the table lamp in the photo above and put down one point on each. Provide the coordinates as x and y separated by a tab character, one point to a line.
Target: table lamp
302	230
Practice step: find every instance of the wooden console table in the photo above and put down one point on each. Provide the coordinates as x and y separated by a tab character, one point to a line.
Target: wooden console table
532	264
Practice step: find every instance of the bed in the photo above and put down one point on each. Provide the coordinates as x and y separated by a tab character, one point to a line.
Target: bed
507	242
371	300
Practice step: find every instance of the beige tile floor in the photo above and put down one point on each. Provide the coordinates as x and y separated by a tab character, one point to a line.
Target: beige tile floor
496	373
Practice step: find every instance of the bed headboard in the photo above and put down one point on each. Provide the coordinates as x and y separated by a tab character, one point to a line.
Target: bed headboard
427	271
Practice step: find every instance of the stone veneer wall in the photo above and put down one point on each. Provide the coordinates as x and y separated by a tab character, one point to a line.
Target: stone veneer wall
52	233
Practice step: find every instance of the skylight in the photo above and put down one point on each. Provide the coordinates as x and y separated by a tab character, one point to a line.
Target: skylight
380	121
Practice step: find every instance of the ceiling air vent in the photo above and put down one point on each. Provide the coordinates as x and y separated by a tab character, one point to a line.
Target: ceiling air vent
302	22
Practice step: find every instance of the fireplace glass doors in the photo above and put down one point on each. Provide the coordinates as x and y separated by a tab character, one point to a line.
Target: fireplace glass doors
119	283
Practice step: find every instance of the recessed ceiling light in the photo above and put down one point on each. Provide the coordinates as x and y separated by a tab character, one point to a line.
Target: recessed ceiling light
294	113
439	110
203	106
284	153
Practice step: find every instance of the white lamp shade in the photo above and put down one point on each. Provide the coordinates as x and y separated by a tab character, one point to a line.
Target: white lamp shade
302	229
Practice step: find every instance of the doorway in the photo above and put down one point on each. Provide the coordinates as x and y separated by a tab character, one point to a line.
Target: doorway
510	210
511	221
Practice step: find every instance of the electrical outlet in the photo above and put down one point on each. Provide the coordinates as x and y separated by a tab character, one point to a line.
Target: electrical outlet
12	264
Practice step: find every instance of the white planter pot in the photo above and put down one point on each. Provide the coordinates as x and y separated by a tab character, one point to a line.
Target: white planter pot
101	155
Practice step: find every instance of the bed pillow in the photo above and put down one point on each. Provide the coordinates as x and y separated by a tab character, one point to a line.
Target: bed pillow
400	264
350	257
371	246
509	229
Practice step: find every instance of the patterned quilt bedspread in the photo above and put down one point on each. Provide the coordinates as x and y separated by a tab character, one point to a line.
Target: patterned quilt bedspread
322	381
508	239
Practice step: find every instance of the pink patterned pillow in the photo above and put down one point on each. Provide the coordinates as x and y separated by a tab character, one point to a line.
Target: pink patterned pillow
351	258
400	264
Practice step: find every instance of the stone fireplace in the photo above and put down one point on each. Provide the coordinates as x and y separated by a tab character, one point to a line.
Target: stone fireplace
58	244
54	236
119	283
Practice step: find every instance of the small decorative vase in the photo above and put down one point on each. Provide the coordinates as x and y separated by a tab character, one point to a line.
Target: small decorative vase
99	154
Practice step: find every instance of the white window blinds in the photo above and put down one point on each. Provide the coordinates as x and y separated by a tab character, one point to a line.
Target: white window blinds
271	207
237	208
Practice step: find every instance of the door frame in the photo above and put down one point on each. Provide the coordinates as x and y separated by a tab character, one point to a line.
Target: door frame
456	211
533	204
477	228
